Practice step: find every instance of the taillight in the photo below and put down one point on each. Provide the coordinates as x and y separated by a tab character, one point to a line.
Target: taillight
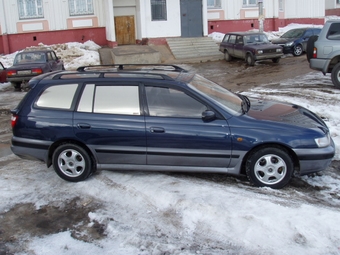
315	51
11	72
14	119
37	71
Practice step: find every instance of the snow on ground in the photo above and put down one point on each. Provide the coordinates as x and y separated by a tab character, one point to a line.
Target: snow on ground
161	213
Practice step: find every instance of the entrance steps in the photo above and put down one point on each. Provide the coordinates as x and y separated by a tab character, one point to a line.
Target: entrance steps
194	48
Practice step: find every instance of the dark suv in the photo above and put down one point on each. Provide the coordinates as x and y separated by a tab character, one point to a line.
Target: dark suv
295	40
32	62
163	118
250	46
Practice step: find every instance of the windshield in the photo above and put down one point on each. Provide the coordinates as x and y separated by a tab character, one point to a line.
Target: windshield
225	98
294	33
256	38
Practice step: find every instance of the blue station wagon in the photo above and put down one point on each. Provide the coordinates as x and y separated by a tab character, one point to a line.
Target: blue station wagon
163	118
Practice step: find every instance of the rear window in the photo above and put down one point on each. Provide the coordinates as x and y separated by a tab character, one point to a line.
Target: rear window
334	32
58	96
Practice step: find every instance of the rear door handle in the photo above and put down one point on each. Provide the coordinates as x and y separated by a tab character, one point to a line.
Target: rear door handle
84	125
157	130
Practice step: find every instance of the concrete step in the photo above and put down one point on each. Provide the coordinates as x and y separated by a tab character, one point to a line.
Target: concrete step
194	47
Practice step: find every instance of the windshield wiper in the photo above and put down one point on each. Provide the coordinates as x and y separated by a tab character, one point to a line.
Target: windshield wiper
245	103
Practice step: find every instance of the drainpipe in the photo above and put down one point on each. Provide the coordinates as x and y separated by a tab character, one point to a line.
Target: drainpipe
261	16
4	28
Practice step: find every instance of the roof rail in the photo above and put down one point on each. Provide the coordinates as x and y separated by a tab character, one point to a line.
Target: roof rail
147	67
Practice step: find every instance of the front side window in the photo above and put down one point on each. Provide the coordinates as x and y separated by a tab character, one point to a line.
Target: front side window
167	102
249	3
158	10
80	7
110	100
30	9
57	97
213	4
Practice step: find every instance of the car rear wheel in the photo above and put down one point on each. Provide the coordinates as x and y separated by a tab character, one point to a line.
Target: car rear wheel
16	85
269	167
298	50
227	56
250	59
276	60
336	75
72	163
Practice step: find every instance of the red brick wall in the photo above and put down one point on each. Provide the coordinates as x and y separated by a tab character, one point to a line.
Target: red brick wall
20	41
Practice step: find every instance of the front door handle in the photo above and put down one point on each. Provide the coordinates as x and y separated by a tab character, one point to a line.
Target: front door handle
157	130
84	125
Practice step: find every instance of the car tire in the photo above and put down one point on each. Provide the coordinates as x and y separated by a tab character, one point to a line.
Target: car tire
269	167
250	59
335	75
298	50
227	56
16	85
276	60
72	163
310	46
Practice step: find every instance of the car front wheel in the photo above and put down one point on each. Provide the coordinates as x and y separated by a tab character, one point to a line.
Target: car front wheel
276	60
227	56
298	50
72	163
336	75
269	167
250	59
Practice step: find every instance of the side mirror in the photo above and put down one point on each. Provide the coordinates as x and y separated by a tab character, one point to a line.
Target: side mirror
208	115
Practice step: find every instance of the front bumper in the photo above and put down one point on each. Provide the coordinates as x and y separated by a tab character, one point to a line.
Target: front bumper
268	56
315	159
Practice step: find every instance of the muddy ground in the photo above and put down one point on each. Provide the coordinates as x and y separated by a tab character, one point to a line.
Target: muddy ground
25	219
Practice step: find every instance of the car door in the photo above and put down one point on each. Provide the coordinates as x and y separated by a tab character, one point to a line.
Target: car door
239	45
108	120
3	76
308	33
53	61
176	134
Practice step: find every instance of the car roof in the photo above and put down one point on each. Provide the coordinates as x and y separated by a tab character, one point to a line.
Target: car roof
122	71
245	33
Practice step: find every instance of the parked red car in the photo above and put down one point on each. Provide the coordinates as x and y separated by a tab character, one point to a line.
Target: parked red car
3	75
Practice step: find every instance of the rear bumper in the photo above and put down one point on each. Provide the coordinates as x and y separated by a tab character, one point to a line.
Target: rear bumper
319	64
30	149
315	160
20	78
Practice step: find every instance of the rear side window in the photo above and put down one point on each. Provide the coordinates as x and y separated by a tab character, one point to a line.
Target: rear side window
232	38
334	32
110	99
58	96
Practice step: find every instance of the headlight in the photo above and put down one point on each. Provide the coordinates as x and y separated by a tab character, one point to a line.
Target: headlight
288	44
260	51
323	141
278	50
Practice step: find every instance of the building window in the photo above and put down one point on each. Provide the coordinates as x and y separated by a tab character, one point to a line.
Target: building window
158	10
338	1
281	5
249	2
213	4
80	7
30	9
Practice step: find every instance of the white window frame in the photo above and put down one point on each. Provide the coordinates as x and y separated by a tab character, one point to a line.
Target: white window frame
159	10
30	9
249	3
80	7
214	4
281	5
